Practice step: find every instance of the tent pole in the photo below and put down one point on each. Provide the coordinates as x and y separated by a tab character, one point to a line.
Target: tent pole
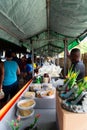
57	59
65	57
48	11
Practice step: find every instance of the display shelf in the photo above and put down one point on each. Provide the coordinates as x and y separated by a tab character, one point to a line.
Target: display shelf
69	120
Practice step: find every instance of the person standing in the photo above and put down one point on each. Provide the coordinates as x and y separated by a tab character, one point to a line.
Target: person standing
28	69
76	63
10	83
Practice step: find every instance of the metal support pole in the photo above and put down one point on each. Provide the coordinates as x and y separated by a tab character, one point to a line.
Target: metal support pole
48	24
65	57
48	11
57	59
40	60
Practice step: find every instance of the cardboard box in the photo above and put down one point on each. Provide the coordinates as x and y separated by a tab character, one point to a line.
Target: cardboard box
69	120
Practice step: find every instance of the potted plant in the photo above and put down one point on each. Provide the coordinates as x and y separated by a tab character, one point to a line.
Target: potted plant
16	124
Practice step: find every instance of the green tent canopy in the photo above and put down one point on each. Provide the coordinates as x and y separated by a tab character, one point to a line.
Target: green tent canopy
43	23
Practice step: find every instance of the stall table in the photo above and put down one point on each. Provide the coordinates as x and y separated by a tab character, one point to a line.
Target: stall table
47	110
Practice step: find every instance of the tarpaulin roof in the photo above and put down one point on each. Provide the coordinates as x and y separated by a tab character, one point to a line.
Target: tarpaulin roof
45	23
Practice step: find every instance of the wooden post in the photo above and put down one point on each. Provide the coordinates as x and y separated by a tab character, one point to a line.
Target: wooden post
65	57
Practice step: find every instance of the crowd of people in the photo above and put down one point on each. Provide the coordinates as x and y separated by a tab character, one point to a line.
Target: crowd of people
11	70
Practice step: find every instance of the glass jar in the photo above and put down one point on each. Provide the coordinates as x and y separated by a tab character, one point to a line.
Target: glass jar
46	78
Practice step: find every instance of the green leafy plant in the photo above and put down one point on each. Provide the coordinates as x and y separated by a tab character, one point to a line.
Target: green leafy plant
15	124
82	86
37	116
71	77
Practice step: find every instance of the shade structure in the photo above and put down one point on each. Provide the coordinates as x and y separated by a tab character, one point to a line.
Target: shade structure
45	23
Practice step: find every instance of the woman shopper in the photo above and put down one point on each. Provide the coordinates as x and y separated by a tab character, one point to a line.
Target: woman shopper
10	83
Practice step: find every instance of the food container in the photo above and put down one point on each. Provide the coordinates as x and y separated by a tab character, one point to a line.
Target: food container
46	78
25	113
35	87
26	104
50	93
29	94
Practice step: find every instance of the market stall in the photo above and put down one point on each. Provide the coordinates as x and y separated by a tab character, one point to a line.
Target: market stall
45	27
